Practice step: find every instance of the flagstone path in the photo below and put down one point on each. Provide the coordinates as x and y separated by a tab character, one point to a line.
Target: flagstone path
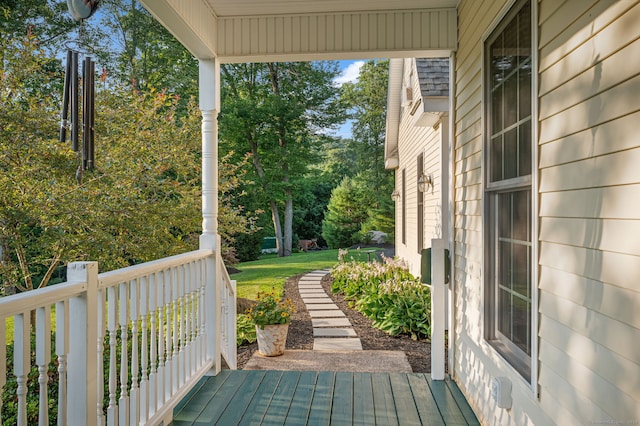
331	328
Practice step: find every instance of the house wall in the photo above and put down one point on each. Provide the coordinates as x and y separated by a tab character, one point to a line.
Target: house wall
589	210
413	141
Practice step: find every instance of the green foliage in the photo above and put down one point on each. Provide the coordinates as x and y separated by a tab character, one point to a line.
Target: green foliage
347	211
270	309
245	330
387	293
141	202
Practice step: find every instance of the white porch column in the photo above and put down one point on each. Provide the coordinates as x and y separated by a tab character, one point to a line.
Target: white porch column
438	247
209	106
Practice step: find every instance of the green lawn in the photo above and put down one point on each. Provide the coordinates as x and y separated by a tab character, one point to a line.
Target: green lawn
272	271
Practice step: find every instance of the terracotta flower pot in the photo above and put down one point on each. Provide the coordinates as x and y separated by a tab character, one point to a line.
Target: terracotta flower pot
272	339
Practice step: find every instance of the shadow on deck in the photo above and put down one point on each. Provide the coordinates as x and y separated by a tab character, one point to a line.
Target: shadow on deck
323	398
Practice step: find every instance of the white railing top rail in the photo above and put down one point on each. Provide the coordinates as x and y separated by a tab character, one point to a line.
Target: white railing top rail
47	296
231	284
111	278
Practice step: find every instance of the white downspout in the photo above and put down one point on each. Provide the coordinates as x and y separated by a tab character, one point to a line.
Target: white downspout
451	136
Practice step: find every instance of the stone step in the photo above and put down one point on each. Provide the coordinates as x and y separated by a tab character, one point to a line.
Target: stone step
337	344
322	307
335	313
312	300
330	322
334	332
307	286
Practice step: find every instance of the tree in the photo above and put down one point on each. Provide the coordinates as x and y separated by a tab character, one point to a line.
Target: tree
367	102
275	112
346	212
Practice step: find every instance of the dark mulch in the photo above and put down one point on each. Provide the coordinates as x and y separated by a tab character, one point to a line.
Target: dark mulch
300	334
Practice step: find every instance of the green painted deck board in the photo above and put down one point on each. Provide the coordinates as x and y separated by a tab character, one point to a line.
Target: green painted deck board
446	403
281	399
236	408
342	409
320	413
423	398
403	398
383	400
464	406
198	401
323	398
259	404
301	401
363	408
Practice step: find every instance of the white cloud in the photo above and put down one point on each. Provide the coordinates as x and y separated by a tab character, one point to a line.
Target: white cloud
350	74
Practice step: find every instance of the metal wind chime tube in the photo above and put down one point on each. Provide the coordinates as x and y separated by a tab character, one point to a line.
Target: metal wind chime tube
88	71
74	101
65	98
92	114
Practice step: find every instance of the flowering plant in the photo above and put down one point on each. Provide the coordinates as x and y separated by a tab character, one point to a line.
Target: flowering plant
270	309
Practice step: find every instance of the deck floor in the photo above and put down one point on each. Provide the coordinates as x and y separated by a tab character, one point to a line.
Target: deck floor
322	398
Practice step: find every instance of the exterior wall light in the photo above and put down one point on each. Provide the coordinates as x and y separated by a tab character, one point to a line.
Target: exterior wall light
424	182
395	195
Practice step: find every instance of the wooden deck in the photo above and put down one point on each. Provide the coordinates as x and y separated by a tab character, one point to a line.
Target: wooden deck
253	397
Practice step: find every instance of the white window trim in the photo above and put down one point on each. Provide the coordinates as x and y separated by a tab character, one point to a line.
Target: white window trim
533	384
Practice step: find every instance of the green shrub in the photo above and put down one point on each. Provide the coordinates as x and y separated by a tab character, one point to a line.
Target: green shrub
387	293
245	330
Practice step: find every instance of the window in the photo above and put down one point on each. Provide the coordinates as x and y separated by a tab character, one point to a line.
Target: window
508	191
420	169
404	207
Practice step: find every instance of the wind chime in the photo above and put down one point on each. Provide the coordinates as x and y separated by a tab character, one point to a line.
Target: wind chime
80	10
71	102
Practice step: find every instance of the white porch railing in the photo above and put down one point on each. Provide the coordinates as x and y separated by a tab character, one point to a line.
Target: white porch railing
129	344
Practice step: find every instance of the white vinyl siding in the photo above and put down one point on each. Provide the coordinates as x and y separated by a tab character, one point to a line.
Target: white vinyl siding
413	141
590	210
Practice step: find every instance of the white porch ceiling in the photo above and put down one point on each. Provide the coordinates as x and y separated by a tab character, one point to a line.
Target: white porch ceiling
281	30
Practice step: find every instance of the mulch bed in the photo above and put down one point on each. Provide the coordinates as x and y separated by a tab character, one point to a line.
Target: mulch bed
300	334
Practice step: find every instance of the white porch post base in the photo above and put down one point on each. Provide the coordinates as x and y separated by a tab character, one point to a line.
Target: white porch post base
438	247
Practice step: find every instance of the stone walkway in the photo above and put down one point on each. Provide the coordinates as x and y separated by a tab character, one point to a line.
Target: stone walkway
332	330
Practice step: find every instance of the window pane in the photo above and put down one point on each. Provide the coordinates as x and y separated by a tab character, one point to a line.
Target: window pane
504	313
511	154
496	110
524	151
504	265
497	54
524	32
496	158
520	269
504	215
511	100
520	326
521	215
524	91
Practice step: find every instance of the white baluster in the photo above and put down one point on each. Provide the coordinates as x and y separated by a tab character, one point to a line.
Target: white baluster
3	361
133	394
203	318
192	318
123	401
43	357
100	351
62	349
167	363
161	339
153	314
144	353
112	410
181	324
174	322
21	361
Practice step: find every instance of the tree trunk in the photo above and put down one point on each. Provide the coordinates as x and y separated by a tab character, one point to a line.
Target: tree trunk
275	216
288	223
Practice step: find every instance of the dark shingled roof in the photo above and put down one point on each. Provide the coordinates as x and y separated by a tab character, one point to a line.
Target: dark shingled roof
433	74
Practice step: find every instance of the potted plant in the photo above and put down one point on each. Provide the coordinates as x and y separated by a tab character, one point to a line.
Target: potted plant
271	316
